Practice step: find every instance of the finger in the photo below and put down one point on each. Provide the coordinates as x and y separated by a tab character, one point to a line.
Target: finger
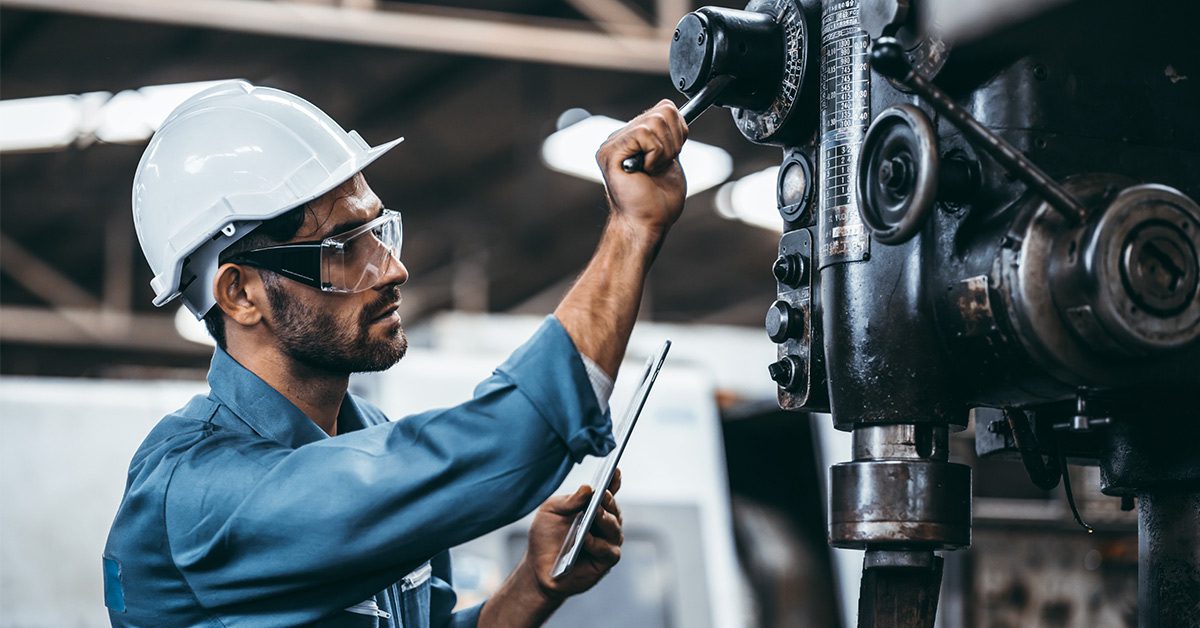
634	138
660	124
674	120
569	504
607	527
610	504
652	145
614	485
601	551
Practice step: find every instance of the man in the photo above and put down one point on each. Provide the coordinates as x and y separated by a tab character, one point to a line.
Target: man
280	499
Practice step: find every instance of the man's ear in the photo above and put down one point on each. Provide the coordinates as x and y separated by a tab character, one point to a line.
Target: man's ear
240	293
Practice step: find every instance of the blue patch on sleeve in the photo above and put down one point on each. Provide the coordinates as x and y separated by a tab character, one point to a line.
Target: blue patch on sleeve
114	593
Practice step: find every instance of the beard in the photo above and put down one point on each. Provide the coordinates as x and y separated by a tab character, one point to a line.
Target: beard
316	338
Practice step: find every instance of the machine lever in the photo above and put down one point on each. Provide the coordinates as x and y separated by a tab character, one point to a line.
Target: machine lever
690	111
887	58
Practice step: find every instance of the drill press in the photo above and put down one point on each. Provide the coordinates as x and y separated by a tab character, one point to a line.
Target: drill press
1005	225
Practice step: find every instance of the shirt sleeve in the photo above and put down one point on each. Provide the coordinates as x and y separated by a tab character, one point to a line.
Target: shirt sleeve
257	528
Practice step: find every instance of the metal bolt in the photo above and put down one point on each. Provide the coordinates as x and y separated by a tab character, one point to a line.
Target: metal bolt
893	173
700	39
676	38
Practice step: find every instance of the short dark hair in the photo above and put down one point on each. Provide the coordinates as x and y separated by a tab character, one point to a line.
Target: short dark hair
277	230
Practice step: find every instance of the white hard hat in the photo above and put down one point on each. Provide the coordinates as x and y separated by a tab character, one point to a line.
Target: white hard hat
225	160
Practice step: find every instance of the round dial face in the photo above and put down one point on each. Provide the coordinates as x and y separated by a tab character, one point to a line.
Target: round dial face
771	126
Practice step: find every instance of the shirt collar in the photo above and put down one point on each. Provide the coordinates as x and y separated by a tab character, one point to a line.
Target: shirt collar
265	410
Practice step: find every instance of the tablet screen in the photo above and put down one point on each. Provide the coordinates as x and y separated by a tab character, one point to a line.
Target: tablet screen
573	542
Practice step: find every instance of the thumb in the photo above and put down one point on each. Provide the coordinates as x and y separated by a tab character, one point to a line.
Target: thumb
570	504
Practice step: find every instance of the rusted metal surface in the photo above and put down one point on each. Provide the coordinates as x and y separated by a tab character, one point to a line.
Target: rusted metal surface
974	306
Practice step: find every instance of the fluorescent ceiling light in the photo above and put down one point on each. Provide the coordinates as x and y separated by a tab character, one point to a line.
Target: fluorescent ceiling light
56	122
134	115
47	122
572	150
191	329
752	200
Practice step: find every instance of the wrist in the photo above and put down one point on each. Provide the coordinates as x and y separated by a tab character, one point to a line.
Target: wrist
539	594
520	601
641	240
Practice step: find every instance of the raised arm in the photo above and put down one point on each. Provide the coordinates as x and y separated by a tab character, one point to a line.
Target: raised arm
599	310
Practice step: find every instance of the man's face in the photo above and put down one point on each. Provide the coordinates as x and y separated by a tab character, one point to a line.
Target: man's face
342	333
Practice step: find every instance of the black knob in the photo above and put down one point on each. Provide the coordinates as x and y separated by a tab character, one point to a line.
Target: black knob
791	269
747	45
785	372
783	322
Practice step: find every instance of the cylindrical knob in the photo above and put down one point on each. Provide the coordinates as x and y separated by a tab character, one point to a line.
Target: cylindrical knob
745	44
790	269
783	322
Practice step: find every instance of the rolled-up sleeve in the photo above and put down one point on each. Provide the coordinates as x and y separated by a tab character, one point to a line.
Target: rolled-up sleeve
260	529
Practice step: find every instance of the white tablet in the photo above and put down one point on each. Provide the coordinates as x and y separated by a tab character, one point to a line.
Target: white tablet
573	543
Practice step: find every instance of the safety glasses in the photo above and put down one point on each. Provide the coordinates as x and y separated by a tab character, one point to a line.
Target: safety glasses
347	262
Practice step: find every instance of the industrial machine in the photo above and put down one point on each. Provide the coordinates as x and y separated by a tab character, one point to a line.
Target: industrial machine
999	220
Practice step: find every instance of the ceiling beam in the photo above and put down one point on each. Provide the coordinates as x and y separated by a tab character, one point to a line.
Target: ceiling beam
153	333
431	29
40	278
669	12
614	16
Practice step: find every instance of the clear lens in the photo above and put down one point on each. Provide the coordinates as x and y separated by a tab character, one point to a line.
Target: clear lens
356	260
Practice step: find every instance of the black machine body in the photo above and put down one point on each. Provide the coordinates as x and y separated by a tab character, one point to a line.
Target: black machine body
1007	223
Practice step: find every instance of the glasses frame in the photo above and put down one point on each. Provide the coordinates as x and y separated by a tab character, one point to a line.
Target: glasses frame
301	261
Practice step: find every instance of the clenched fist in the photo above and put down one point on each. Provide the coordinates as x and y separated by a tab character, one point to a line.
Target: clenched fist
649	201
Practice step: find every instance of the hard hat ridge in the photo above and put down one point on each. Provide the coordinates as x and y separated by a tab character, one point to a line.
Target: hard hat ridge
222	162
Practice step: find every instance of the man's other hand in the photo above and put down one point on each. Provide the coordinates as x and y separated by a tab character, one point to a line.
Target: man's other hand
601	547
649	201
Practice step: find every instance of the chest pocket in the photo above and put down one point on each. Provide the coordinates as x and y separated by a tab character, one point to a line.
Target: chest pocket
414	597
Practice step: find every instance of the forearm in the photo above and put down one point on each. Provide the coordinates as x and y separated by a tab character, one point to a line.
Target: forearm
600	309
520	602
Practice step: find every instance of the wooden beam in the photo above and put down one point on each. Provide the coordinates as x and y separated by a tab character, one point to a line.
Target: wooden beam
428	28
153	333
614	16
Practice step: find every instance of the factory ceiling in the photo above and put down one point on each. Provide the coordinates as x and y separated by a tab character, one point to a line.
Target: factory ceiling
475	92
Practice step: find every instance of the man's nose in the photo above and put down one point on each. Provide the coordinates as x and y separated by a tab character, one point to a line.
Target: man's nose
395	273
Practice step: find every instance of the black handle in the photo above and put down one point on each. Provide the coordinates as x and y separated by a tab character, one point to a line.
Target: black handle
690	111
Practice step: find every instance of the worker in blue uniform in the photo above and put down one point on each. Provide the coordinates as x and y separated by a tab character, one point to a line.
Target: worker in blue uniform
279	499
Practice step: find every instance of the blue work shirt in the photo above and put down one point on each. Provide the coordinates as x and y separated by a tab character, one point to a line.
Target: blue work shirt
240	511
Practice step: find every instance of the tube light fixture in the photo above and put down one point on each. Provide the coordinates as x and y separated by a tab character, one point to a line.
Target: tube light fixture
572	150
